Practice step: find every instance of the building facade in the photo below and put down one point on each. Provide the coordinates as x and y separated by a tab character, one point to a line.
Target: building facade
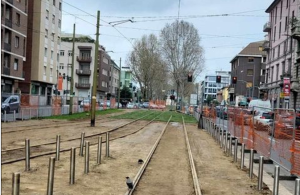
44	29
115	72
211	87
104	72
84	52
247	67
280	48
14	18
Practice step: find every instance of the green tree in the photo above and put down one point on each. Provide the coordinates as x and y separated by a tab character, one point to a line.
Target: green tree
125	94
209	99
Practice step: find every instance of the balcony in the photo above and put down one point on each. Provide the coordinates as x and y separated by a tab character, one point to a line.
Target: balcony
84	59
7	47
83	72
264	65
262	78
8	23
83	85
267	27
298	56
6	70
266	46
296	30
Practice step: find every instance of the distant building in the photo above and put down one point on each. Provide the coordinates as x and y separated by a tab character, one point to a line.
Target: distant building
211	87
115	72
14	18
104	67
247	66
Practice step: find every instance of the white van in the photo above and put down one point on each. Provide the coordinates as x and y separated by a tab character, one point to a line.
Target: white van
259	105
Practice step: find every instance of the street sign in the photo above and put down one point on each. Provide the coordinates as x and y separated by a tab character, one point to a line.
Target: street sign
281	95
286	86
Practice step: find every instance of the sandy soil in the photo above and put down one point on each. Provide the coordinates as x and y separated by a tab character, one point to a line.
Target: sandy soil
217	173
168	171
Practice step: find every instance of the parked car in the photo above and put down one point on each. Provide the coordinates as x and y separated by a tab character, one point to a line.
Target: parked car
266	118
107	103
85	103
10	103
131	105
146	105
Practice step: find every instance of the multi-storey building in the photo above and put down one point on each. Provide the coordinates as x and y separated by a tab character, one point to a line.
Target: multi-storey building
247	66
84	50
280	49
13	45
115	72
43	45
104	67
211	87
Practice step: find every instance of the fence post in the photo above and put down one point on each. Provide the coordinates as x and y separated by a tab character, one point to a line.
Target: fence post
57	147
99	150
230	146
87	157
242	155
107	144
276	180
22	114
251	163
15	183
260	173
5	116
81	144
29	113
51	176
27	154
72	165
235	150
297	186
14	119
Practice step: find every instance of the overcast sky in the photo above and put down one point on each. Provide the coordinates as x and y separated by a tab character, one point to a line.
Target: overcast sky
222	37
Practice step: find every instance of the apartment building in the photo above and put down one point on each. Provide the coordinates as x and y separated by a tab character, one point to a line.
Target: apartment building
211	87
247	66
84	52
115	72
44	32
280	48
14	16
104	72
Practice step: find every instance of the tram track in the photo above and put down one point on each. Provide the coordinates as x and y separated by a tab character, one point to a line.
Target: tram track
92	138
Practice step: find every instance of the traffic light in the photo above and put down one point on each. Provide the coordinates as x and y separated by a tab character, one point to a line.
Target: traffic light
190	78
218	79
234	80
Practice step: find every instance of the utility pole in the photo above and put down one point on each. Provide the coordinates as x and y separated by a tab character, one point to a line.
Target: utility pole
72	73
93	110
119	91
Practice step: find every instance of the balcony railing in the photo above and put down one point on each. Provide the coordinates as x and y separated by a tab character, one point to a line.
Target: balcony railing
296	30
82	85
84	58
83	72
267	27
7	46
8	23
266	46
6	70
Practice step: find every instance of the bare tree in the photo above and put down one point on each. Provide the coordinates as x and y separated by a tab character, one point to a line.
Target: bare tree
180	45
147	65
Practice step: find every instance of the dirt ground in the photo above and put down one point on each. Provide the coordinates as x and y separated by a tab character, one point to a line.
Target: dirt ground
168	172
217	174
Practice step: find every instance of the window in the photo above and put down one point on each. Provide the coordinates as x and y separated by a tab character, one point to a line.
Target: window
104	72
59	23
7	61
59	6
283	67
7	36
279	30
45	70
46	50
70	53
57	57
62	52
17	19
43	90
51	54
275	15
8	13
286	23
47	14
16	64
274	34
287	4
61	66
277	71
104	84
105	60
249	72
46	33
52	36
53	19
281	9
51	72
58	40
2	10
54	2
278	55
251	59
35	89
17	39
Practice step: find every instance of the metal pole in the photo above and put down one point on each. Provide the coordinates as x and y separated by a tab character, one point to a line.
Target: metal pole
119	91
22	114
230	146
51	176
222	137
72	73
99	150
276	180
5	116
87	157
226	143
297	187
235	149
72	165
94	89
29	113
15	184
242	155
81	144
14	116
27	154
260	173
57	147
251	163
37	112
107	144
